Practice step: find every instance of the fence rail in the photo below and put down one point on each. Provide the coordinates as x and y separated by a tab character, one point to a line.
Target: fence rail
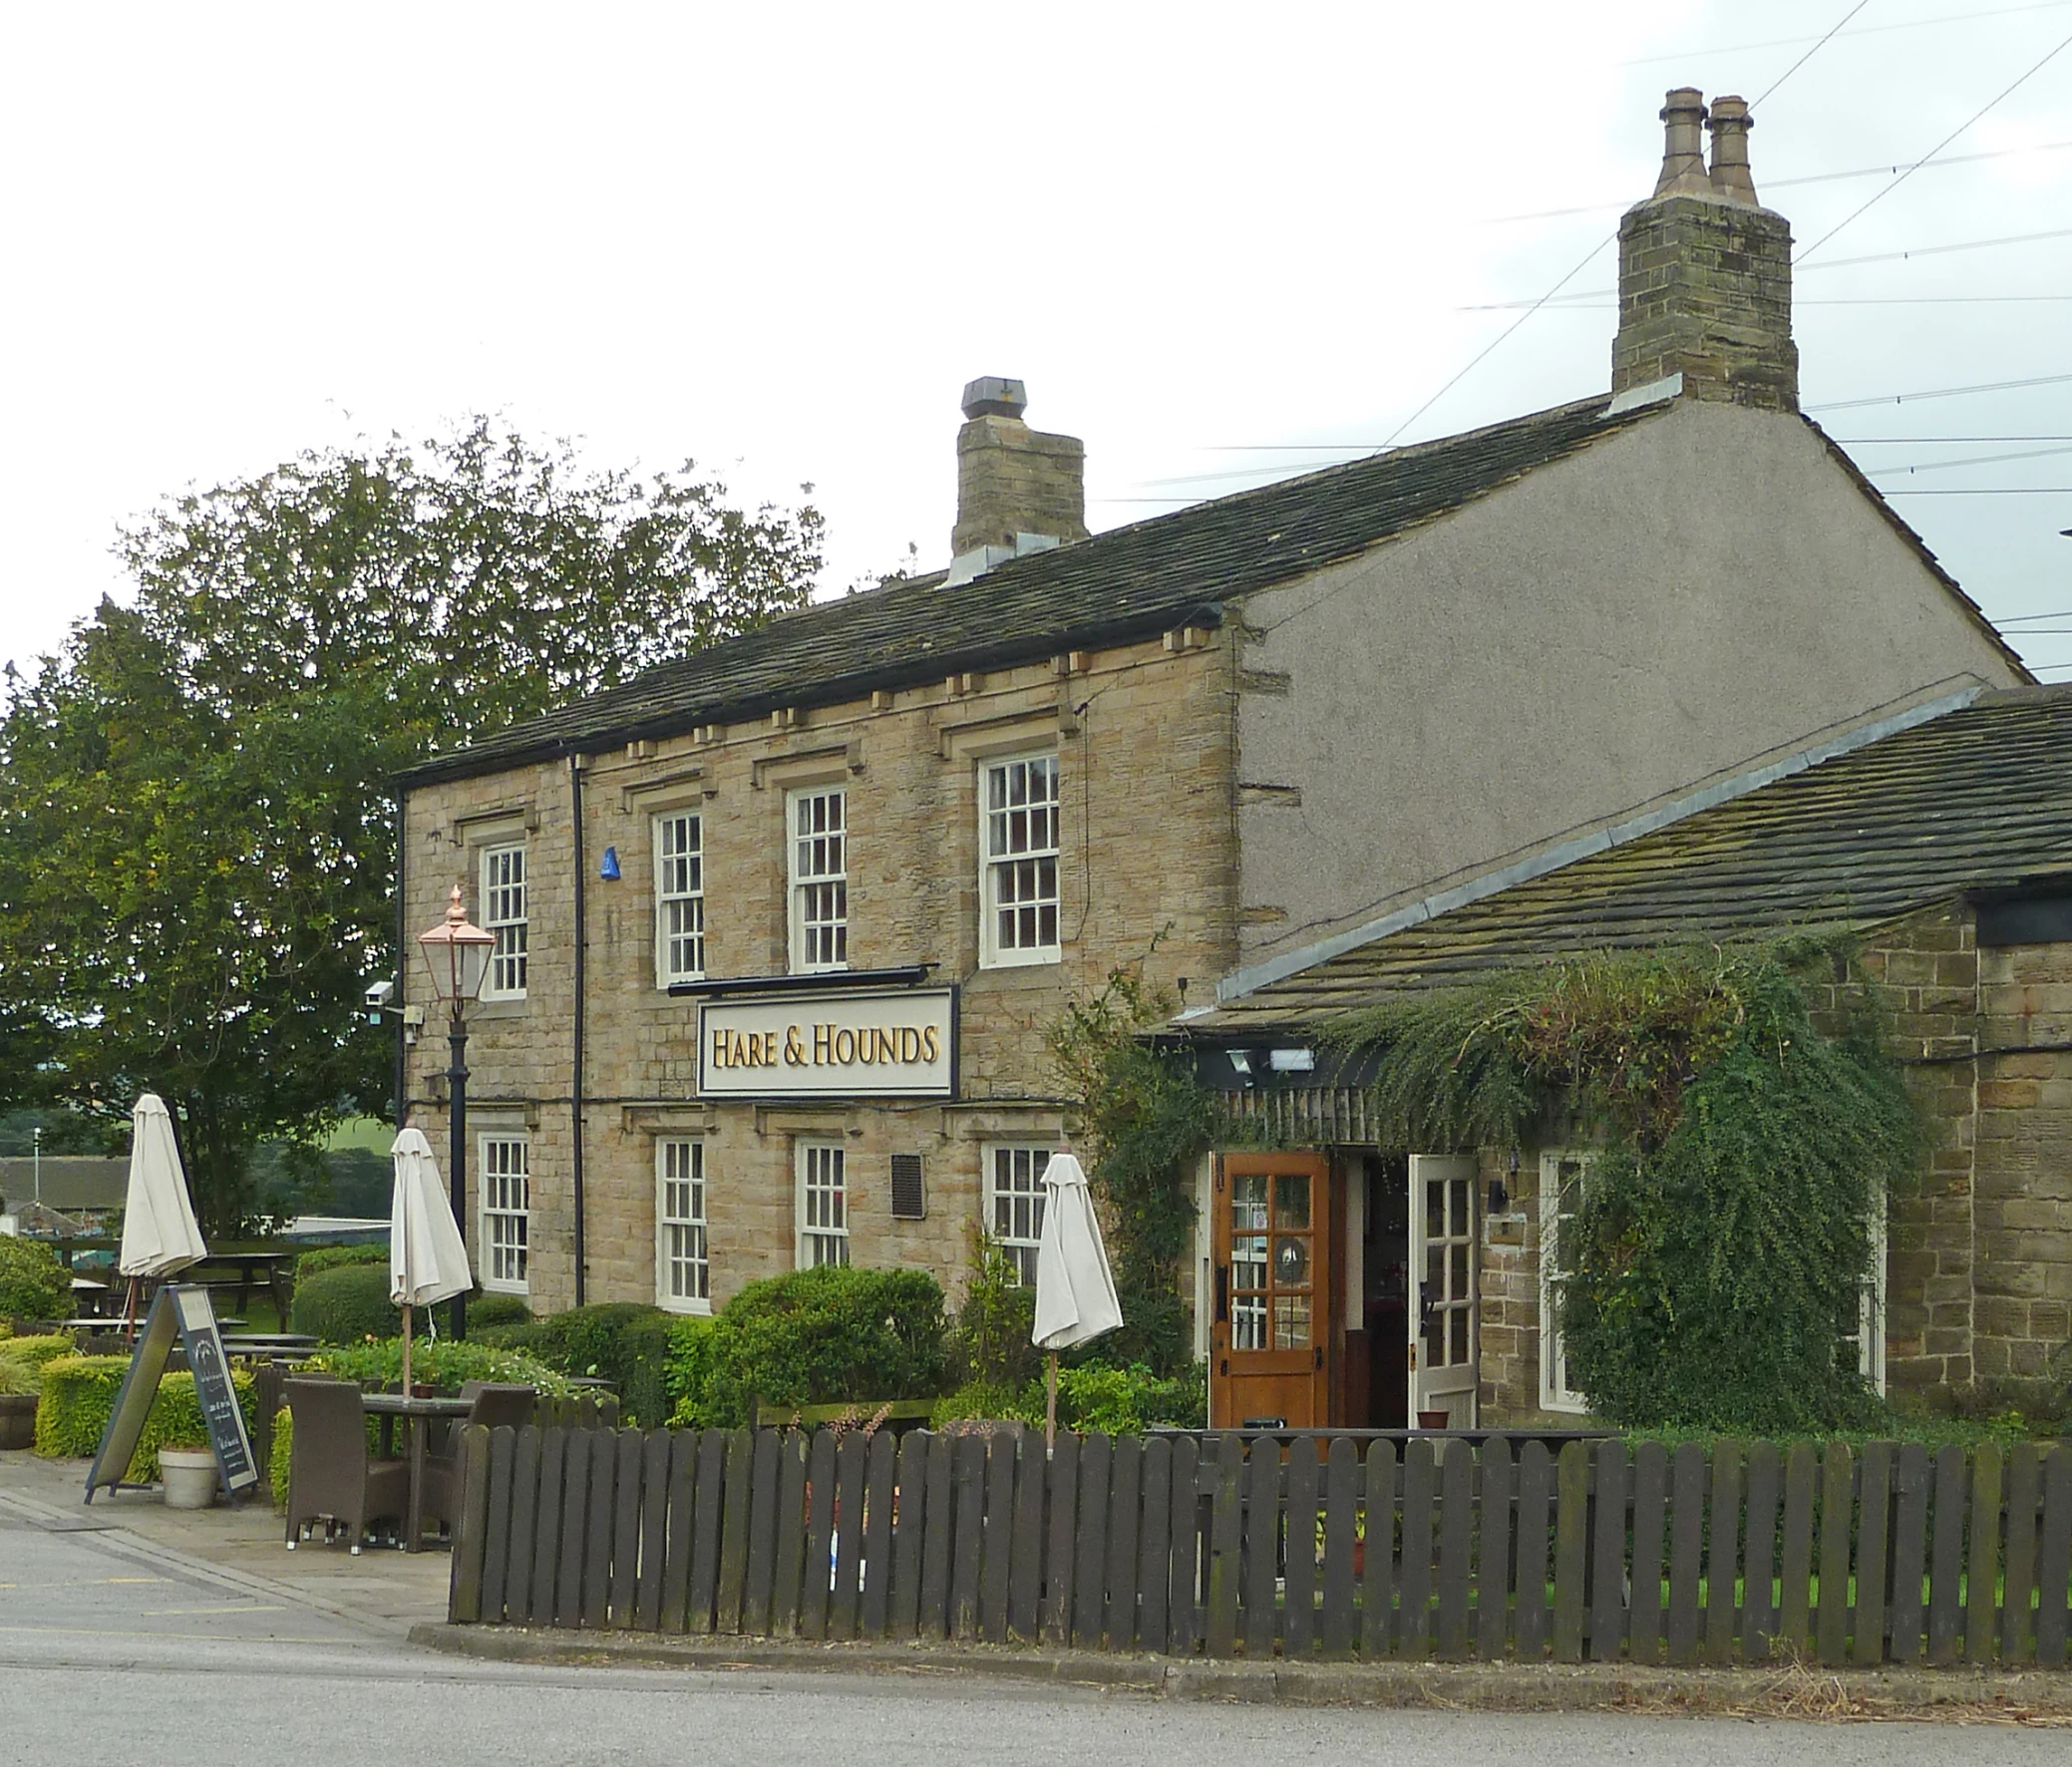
1237	1546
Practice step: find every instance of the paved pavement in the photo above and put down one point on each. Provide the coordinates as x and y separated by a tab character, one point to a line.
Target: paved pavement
132	1632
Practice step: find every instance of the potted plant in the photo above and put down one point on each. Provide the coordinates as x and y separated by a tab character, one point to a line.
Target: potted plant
188	1475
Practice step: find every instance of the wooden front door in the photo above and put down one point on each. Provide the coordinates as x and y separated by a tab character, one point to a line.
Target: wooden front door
1268	1358
1442	1347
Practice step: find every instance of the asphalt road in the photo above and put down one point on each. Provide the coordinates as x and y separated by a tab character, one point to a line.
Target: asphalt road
108	1654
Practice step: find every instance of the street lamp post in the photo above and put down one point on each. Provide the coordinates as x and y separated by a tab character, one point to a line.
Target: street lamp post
458	955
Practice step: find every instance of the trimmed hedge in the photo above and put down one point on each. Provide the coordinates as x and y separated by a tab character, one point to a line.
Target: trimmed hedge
22	1361
34	1283
622	1341
1115	1401
79	1396
498	1309
346	1303
331	1257
832	1335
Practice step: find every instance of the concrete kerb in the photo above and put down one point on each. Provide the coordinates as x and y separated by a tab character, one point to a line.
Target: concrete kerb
1784	1691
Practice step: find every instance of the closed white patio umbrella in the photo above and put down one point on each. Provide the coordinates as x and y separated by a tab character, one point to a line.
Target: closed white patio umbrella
160	1233
1075	1289
427	1259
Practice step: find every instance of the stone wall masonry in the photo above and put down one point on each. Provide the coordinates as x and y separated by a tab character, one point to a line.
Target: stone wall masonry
1148	855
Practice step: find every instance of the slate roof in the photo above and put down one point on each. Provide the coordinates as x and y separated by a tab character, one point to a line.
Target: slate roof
1128	583
1977	799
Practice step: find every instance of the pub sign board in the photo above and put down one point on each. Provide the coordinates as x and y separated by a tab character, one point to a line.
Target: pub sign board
895	1043
179	1312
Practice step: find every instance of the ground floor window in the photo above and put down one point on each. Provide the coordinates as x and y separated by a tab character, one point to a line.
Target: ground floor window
1563	1180
682	1270
1864	1337
1016	1185
506	1204
822	1205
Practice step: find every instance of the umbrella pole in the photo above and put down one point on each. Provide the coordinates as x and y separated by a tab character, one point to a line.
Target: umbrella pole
1050	1403
406	1349
130	1308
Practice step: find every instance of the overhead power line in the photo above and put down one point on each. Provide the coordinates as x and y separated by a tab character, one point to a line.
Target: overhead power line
1891	170
2034	69
1905	24
1998	386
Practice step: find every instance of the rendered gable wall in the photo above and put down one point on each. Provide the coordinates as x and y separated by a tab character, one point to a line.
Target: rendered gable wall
1691	597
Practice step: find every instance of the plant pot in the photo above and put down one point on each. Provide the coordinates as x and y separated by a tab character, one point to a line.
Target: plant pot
1431	1420
188	1475
17	1420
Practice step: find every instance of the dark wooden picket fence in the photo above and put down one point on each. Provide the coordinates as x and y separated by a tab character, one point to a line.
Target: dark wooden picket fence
1231	1545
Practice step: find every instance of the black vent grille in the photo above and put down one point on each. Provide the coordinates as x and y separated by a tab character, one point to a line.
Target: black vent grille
909	1196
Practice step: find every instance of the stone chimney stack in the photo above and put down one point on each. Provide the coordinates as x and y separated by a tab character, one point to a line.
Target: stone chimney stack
1018	488
1705	272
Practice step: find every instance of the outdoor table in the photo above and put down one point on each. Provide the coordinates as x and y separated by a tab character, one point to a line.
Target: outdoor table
249	1266
270	1345
416	1415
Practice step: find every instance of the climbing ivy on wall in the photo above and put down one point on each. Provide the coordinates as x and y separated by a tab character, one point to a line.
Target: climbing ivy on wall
1141	1122
1726	1230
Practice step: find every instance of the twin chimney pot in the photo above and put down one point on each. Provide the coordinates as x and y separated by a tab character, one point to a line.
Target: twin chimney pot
1705	270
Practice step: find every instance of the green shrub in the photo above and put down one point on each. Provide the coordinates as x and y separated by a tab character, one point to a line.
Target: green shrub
22	1361
623	1342
439	1364
989	1345
331	1257
79	1395
346	1303
34	1283
832	1335
498	1309
1094	1396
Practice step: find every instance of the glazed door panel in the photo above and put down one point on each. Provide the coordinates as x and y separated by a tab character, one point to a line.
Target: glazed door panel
1444	1353
1269	1340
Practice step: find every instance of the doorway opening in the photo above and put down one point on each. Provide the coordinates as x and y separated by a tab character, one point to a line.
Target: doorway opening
1385	1313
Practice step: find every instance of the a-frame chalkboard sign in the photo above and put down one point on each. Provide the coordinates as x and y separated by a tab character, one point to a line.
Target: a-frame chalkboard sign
180	1312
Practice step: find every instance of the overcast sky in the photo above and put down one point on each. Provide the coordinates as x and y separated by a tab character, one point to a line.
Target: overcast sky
779	239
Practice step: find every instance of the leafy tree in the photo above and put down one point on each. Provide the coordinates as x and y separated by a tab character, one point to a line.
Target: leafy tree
197	835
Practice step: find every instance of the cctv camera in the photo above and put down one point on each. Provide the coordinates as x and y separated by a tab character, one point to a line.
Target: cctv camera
378	995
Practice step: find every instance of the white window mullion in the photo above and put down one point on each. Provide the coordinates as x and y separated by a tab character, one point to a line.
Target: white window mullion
505	915
679	899
816	849
683	1274
1016	1185
822	1205
505	1190
1562	1177
1018	845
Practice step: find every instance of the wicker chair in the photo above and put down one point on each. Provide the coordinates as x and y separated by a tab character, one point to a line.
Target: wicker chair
491	1405
331	1475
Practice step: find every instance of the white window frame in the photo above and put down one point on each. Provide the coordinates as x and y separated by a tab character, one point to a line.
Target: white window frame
823	1236
1553	1396
1018	1202
680	1177
999	859
815	860
679	895
1870	1338
506	912
503	1156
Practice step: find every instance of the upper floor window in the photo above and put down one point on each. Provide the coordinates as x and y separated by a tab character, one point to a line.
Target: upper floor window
507	1211
679	899
818	861
1016	1187
504	913
1018	840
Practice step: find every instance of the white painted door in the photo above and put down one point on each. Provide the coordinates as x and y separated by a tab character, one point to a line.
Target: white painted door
1443	1322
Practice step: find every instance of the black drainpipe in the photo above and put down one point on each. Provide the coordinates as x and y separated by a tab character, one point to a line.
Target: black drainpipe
575	1081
